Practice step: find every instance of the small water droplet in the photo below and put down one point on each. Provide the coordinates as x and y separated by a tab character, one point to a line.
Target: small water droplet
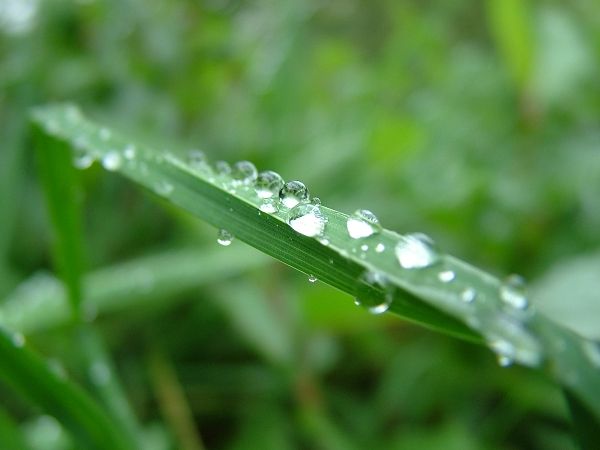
163	188
362	223
513	293
223	168
268	184
364	247
83	161
18	339
324	241
316	201
312	279
112	161
379	248
196	157
292	193
468	295
415	251
375	292
104	134
99	373
307	219
224	237
129	152
505	352
269	206
243	173
446	276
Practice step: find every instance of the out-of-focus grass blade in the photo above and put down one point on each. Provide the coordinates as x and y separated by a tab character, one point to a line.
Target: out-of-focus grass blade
41	303
60	187
30	376
11	437
433	296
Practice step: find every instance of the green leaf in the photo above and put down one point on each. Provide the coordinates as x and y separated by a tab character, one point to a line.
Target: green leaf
433	295
30	376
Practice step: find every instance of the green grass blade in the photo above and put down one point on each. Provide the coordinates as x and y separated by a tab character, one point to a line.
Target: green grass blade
29	375
423	295
59	180
11	436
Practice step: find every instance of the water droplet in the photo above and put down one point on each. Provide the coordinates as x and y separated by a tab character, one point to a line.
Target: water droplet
446	276
99	373
505	352
324	241
104	134
268	184
243	173
223	168
312	279
415	251
307	219
512	292
592	351
83	161
364	247
468	295
292	193
316	201
375	292
196	158
18	339
363	223
269	206
129	152
163	188
111	161
224	237
379	248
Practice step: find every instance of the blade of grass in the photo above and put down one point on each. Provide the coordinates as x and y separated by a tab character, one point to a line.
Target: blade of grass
29	375
11	437
515	334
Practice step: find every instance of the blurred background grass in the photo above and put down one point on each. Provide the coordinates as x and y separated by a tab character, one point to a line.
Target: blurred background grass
476	122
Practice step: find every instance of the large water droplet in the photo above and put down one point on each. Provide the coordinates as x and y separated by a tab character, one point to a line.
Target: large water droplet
243	173
224	237
374	292
292	193
363	223
268	184
307	219
380	248
415	251
112	161
513	293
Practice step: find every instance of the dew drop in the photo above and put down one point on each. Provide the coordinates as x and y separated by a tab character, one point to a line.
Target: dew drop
446	276
513	293
292	193
196	157
83	161
324	241
268	184
415	251
243	173
223	168
468	295
363	223
374	292
112	161
364	247
224	237
163	188
316	201
312	279
307	219
129	152
18	339
505	352
268	206
379	248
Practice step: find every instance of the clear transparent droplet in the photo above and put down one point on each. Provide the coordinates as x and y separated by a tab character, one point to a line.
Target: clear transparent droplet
315	201
468	295
112	161
268	184
223	168
293	193
83	161
513	292
362	223
196	157
307	219
380	248
163	188
243	173
446	276
269	206
374	292
364	247
324	241
416	251
129	152
312	279
224	238
505	352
